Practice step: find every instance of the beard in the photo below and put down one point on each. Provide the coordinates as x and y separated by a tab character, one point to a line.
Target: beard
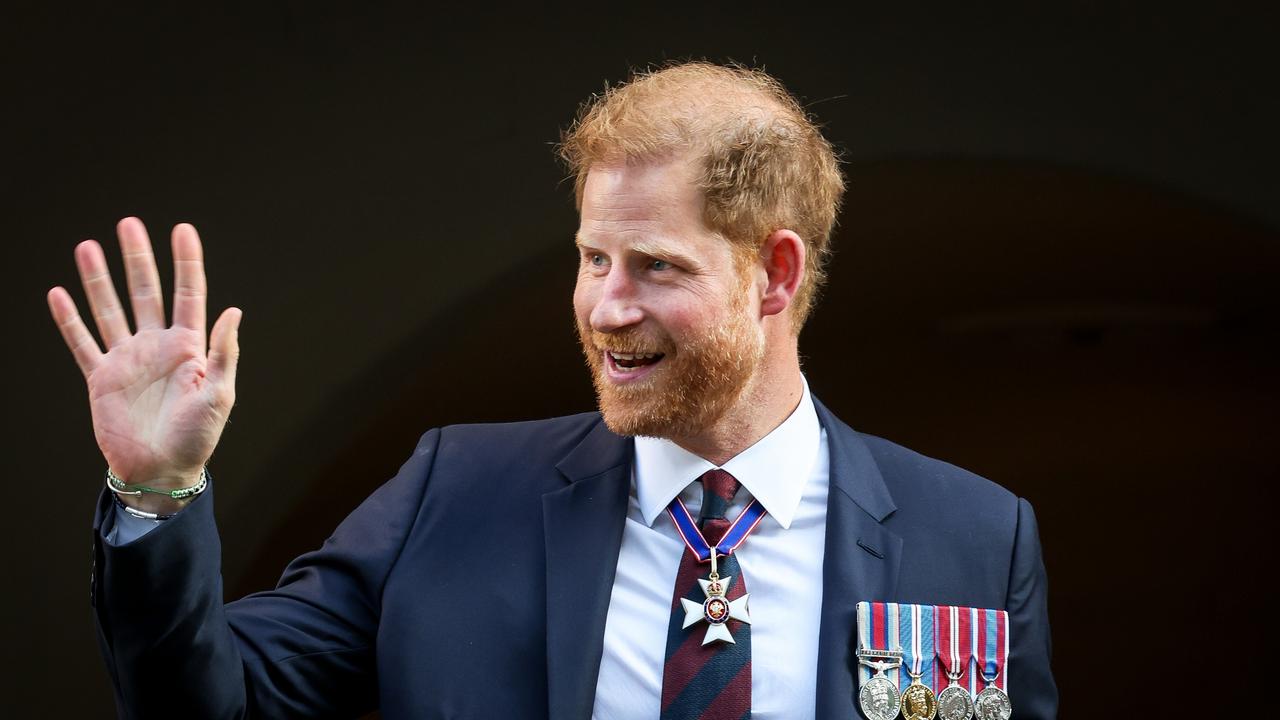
695	383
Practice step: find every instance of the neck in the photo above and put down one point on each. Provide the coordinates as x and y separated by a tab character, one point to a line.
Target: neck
767	401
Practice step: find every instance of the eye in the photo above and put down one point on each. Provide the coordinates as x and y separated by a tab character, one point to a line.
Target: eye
596	259
659	265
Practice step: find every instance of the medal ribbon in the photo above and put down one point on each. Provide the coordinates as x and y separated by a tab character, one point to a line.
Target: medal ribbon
878	630
737	533
993	652
917	640
1003	652
864	639
953	644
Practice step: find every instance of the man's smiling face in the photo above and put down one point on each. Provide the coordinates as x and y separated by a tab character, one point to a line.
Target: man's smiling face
668	320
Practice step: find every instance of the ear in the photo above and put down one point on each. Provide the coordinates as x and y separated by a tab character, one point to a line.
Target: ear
782	257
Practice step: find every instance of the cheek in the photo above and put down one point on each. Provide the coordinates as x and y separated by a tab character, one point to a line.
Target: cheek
583	300
682	319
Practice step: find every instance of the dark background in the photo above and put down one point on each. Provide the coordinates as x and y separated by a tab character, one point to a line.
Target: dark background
1056	266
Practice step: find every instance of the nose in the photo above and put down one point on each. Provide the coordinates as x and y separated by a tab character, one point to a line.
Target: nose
616	305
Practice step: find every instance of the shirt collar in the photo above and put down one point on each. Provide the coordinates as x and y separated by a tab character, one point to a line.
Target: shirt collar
774	470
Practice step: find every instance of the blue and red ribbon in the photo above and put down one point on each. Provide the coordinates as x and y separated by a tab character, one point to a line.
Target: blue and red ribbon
737	533
878	629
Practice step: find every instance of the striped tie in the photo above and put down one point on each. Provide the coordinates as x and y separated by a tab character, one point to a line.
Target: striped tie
712	681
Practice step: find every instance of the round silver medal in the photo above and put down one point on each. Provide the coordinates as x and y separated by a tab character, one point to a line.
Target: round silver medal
879	698
992	704
954	703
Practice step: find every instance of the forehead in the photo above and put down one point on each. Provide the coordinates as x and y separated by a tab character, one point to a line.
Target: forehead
653	198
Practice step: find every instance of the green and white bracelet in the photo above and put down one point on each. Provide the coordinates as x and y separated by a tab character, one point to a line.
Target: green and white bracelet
118	486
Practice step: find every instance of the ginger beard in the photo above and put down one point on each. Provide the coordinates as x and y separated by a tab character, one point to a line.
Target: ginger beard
696	381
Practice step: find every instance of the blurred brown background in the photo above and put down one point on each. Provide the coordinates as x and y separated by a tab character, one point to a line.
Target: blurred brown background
1057	266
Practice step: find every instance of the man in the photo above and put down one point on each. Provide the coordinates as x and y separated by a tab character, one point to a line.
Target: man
555	568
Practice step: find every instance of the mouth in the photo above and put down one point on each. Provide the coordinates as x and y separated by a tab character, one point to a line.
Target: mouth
624	367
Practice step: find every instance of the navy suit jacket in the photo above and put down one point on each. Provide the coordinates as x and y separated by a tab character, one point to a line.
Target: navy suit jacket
475	584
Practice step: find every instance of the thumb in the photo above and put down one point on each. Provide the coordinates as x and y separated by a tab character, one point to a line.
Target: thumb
224	350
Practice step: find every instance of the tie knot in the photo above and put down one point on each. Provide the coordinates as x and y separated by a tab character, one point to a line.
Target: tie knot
718	489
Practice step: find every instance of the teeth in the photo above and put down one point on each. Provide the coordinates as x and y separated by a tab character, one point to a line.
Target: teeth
633	356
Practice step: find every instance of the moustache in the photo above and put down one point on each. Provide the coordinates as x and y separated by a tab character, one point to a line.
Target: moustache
627	341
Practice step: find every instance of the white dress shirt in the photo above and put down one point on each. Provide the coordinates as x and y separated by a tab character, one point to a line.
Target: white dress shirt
788	472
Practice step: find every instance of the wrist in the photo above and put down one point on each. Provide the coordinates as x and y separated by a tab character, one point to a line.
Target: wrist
165	481
160	497
158	505
148	509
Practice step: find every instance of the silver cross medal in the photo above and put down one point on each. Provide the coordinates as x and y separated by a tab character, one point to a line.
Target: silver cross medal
716	609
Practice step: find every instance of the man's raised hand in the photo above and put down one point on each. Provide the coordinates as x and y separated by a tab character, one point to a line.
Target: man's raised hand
158	400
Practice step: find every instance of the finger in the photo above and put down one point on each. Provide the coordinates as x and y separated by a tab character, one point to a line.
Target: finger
108	315
224	350
188	279
78	338
140	272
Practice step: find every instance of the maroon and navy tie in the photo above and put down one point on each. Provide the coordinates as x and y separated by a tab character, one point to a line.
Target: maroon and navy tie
712	681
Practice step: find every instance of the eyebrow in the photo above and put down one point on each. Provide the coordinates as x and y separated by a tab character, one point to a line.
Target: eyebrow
652	249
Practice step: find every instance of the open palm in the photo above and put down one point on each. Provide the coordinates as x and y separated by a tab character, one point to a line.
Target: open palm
159	401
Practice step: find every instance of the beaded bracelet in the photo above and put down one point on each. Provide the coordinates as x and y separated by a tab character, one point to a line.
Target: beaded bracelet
118	486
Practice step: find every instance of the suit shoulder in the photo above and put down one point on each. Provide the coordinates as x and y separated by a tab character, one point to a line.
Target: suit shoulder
916	479
546	438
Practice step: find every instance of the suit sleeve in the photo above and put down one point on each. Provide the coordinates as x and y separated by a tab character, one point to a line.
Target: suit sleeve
1032	690
304	649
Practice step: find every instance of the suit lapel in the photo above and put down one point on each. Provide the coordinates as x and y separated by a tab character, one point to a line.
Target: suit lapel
583	527
861	561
